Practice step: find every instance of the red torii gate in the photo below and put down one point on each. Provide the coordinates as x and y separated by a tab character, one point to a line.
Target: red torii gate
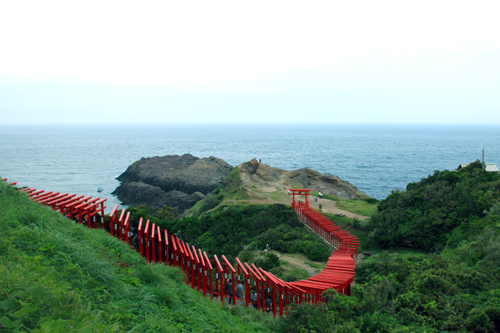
295	192
12	184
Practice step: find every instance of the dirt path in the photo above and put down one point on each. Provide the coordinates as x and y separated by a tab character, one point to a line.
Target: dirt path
297	261
329	206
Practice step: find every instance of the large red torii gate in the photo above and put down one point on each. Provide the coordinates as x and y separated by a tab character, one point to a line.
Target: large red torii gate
295	192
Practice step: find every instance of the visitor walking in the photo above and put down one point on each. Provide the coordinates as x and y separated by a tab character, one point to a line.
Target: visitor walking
239	291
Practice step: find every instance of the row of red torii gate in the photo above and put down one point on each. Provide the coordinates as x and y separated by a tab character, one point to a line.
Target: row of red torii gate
211	275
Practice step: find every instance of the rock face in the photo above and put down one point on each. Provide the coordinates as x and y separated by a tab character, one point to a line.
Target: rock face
172	180
253	173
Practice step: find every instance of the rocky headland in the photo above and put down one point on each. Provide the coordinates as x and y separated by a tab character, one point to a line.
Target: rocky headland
182	181
172	180
252	173
255	182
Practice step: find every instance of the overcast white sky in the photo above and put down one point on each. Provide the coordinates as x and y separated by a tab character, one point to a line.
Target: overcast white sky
255	61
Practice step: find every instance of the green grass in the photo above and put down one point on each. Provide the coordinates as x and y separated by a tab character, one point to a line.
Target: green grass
315	265
277	195
290	273
59	276
356	206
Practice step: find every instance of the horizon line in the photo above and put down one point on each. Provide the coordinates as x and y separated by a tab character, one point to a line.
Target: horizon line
243	123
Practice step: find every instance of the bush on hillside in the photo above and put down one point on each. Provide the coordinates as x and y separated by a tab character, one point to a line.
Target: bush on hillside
455	292
425	215
268	261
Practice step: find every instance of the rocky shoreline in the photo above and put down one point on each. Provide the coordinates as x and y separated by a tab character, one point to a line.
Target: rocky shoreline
172	180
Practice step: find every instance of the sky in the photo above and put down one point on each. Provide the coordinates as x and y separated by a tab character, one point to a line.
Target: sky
401	62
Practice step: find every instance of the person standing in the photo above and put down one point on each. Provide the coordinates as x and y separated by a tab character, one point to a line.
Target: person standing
268	303
321	195
239	291
253	298
229	290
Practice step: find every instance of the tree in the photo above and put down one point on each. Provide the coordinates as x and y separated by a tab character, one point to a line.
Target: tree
188	229
167	213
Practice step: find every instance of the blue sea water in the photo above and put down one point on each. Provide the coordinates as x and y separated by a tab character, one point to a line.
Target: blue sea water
375	158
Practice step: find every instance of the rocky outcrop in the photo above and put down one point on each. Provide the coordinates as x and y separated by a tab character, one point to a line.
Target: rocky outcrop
329	184
252	173
172	180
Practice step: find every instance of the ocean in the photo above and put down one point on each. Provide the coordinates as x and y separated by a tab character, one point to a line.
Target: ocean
375	158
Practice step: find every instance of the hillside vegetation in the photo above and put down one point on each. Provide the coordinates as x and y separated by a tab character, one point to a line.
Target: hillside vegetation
445	208
454	289
57	276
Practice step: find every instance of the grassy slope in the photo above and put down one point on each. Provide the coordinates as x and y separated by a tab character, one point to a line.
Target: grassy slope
60	277
232	190
357	206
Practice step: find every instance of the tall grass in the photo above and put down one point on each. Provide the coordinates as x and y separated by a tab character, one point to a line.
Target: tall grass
59	276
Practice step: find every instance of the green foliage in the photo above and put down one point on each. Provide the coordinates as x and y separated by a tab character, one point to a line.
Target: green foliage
448	205
167	213
268	262
227	229
212	200
457	213
57	276
61	277
188	229
230	189
457	291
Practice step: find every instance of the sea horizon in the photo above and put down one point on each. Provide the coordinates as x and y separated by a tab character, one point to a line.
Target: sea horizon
376	158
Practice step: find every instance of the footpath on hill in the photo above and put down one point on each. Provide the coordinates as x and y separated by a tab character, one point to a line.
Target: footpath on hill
300	261
271	193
